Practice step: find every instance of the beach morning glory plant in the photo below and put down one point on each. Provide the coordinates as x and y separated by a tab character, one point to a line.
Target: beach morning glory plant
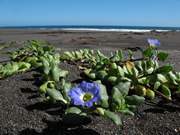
85	94
153	42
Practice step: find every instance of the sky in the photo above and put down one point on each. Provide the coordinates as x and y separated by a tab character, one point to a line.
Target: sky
90	12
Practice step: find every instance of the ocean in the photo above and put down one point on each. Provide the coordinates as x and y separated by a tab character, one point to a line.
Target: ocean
98	28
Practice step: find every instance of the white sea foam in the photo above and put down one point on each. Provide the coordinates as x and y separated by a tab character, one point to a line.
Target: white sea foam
113	30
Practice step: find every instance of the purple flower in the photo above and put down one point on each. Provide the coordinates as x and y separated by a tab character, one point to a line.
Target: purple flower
153	42
85	94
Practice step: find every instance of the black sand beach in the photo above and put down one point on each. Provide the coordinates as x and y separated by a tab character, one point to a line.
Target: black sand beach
22	111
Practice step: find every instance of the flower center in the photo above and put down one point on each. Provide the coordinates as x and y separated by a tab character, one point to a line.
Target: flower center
87	97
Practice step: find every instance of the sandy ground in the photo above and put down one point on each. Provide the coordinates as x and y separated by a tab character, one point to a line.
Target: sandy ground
106	41
22	112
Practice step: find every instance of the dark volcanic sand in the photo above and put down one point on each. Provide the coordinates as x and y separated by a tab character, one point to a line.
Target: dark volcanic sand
22	111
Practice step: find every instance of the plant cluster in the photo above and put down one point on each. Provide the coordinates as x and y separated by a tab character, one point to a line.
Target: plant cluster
111	85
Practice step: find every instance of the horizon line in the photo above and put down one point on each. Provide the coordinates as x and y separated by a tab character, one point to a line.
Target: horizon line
74	25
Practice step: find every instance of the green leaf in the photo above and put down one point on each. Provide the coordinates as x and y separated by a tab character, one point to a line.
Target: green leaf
143	80
23	66
63	73
55	95
120	71
135	72
43	88
66	89
55	72
150	70
161	78
123	87
14	67
101	74
134	100
140	90
148	52
92	75
164	69
139	66
74	110
127	111
112	79
104	96
100	111
172	78
46	65
166	91
162	56
118	101
150	94
157	85
120	54
114	117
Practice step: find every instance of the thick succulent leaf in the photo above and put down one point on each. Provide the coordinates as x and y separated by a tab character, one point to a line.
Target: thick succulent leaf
172	78
74	110
150	63
63	73
166	91
117	99
139	66
46	65
120	54
143	80
87	71
112	79
103	95
15	67
161	78
92	76
114	117
134	100
162	56
135	72
150	94
164	69
157	84
140	90
31	60
120	71
100	111
43	88
127	111
129	66
123	87
55	95
148	52
113	65
101	74
23	66
150	70
66	89
55	72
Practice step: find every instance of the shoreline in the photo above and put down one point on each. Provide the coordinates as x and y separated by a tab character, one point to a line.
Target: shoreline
98	39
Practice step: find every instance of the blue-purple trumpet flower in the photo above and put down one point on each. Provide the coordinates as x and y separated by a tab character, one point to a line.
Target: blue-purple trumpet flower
153	42
85	94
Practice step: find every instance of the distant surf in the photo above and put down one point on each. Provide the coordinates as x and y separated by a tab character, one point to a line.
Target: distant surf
114	30
98	28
